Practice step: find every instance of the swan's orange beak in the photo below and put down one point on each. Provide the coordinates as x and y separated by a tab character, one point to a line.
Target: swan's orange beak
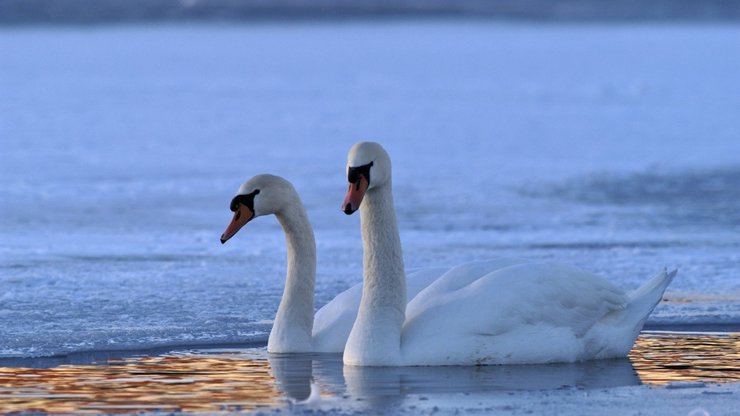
242	216
355	193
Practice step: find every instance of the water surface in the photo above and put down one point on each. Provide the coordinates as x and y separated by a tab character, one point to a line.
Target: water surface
614	148
235	380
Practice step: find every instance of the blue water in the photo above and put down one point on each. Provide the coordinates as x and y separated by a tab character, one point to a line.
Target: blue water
615	148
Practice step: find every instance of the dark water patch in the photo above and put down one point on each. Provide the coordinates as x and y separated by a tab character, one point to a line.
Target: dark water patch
138	258
73	262
698	328
107	11
601	245
15	266
708	197
597	245
104	357
711	187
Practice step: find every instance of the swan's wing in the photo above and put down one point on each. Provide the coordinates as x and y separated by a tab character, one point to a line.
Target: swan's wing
333	322
421	279
459	277
523	297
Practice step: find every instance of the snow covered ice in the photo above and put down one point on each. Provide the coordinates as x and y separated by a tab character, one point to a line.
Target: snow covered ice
613	148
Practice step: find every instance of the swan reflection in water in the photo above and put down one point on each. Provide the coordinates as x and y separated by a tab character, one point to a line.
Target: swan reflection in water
657	358
296	375
208	381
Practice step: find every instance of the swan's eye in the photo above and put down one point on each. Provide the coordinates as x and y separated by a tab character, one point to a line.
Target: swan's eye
247	200
353	174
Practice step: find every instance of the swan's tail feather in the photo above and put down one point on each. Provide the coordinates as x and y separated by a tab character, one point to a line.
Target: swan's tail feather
653	289
643	300
623	326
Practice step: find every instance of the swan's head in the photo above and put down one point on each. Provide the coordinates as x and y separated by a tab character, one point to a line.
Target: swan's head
368	167
261	195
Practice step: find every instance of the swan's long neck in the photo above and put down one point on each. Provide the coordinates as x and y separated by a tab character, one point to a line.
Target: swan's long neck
293	325
376	335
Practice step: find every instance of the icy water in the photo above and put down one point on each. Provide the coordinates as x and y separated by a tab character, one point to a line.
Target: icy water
240	380
614	148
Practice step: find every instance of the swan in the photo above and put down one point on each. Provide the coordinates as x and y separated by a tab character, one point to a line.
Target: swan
501	311
295	329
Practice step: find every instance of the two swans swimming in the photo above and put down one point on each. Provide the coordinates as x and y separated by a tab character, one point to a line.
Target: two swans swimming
502	311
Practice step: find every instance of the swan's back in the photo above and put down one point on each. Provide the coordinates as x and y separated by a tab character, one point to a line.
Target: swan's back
455	279
515	313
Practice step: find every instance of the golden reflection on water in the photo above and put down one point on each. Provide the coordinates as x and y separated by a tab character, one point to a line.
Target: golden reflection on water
203	384
232	380
662	358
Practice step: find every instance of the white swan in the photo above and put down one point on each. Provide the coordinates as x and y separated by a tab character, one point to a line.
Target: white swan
295	329
504	311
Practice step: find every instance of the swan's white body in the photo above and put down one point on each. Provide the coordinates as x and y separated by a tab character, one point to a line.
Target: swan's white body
295	328
504	311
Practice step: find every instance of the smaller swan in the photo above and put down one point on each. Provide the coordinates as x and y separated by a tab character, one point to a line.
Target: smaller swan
501	311
295	328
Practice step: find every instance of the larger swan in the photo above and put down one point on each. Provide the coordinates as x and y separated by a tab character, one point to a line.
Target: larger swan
504	311
295	329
